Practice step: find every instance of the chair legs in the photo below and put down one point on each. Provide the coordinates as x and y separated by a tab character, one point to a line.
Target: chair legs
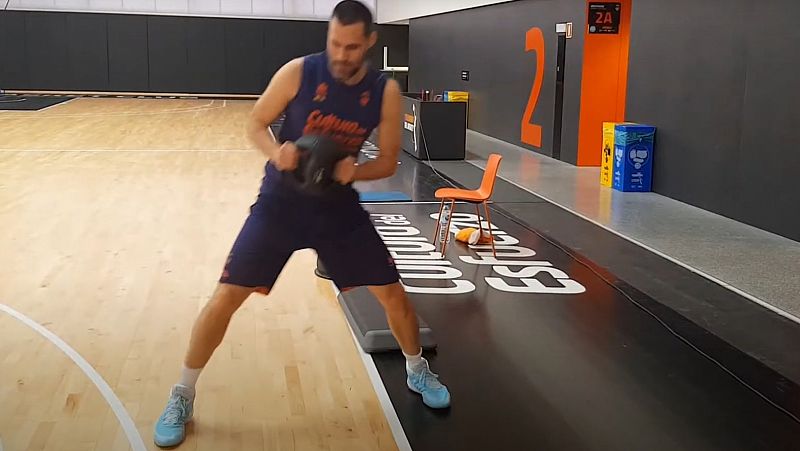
449	219
480	223
436	233
489	223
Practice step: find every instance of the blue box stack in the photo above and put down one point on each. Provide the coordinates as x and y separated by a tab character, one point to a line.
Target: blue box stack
633	157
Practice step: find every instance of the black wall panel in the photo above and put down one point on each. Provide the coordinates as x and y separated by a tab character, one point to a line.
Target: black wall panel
490	43
88	52
13	54
205	53
396	38
769	156
140	53
306	37
244	57
127	53
167	54
392	36
46	47
722	89
691	87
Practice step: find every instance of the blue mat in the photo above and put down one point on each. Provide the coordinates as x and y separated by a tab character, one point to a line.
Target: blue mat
384	196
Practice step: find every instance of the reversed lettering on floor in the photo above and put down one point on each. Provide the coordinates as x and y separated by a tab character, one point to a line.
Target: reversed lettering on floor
514	270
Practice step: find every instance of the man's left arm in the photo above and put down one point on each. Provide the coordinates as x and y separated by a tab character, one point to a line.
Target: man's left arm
385	165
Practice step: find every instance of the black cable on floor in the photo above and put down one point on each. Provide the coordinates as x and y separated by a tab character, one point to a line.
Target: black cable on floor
418	123
686	341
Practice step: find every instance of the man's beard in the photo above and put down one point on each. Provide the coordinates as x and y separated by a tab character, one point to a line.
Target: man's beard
345	72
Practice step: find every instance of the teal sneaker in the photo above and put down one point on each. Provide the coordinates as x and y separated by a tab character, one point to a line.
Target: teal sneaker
426	383
171	426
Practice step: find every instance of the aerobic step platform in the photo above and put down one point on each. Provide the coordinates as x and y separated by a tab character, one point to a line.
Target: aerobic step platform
368	321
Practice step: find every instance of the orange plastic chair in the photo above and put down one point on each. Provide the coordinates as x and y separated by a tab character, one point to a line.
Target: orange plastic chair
476	197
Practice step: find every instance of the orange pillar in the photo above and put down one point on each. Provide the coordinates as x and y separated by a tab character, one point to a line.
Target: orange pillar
603	84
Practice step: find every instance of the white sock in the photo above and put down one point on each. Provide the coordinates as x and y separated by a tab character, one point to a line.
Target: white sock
189	376
414	363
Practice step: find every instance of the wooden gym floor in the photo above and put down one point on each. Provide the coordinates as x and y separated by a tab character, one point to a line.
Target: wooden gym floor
116	216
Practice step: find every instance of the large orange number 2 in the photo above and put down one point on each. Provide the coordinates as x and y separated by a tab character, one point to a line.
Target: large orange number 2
532	133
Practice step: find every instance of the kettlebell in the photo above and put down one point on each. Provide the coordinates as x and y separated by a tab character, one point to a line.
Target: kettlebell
318	157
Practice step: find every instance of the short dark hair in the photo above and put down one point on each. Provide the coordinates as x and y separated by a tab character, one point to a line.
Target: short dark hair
351	12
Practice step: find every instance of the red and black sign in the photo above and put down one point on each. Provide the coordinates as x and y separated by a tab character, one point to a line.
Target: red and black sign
604	18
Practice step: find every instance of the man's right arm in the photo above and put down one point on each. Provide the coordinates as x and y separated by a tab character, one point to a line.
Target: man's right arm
271	104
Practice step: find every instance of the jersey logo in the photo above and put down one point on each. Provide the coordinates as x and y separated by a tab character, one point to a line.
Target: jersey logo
349	134
322	92
364	98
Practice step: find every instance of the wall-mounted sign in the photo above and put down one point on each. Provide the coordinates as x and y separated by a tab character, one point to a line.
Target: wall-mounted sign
604	18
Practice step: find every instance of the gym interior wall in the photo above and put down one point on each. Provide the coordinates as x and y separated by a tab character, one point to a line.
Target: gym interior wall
718	82
64	51
721	85
490	43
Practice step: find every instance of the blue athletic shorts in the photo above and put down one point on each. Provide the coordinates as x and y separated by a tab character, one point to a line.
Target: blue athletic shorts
283	221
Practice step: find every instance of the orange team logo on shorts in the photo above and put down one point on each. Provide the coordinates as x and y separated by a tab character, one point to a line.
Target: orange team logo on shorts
365	98
322	92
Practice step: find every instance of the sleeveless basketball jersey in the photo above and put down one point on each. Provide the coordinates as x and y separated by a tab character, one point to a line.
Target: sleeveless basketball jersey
347	114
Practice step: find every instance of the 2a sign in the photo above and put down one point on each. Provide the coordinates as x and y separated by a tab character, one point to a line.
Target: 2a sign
604	18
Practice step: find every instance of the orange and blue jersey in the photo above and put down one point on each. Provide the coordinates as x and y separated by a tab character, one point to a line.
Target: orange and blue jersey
285	219
323	105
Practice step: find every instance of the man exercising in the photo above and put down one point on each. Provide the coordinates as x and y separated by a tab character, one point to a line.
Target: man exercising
332	93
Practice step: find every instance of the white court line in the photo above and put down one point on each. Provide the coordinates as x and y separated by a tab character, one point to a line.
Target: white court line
128	150
191	109
53	106
383	396
723	284
116	405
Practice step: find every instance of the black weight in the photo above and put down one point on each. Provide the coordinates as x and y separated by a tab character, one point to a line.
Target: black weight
318	157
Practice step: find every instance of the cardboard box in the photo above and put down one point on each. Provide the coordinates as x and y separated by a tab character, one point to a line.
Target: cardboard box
607	156
455	96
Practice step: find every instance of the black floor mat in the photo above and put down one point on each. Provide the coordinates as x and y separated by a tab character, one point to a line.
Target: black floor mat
30	103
